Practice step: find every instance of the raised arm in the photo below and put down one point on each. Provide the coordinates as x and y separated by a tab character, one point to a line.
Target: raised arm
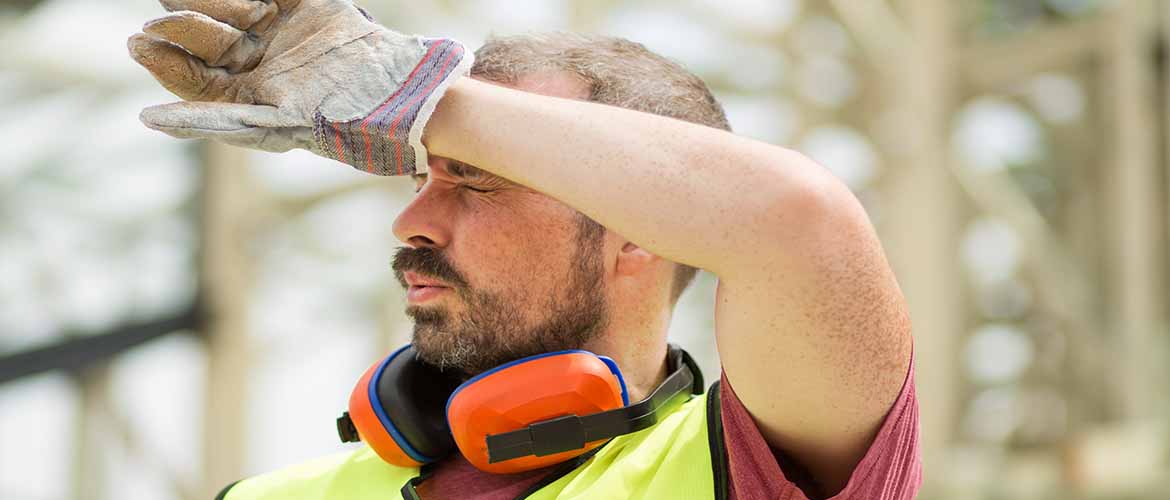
810	323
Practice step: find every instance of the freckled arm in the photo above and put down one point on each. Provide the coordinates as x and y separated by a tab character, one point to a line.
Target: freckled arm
811	326
689	193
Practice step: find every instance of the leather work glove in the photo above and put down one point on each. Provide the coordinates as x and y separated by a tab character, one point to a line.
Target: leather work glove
311	74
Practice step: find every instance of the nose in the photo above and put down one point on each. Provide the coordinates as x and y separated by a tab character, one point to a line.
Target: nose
427	220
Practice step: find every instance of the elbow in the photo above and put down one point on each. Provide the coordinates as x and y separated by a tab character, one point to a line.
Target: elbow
800	214
810	213
811	196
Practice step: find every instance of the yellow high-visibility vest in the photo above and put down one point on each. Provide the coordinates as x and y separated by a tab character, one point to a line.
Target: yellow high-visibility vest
682	456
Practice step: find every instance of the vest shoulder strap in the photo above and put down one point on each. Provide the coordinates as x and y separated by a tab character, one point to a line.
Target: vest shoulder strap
223	493
715	443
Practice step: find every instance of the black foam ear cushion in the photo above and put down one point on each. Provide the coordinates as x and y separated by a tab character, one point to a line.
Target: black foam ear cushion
414	395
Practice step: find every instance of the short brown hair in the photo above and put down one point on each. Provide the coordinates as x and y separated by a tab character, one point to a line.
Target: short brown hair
617	72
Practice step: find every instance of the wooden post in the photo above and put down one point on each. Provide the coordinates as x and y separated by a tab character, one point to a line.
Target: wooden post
1131	177
89	469
925	220
1165	114
227	221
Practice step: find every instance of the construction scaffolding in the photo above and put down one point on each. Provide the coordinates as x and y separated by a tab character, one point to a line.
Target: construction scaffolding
1014	156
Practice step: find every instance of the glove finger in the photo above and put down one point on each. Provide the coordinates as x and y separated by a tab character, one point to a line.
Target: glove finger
216	43
177	71
240	14
259	127
221	116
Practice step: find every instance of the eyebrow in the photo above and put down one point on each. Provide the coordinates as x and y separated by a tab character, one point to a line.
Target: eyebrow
460	170
463	170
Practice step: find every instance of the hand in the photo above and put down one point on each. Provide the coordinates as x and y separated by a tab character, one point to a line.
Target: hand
312	74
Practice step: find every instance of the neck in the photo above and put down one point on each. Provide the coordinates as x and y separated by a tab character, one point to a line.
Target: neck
640	383
640	353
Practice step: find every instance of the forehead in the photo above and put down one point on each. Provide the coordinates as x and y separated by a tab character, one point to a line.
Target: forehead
551	83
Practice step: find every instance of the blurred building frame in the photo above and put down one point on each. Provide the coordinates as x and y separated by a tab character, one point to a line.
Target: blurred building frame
921	65
925	66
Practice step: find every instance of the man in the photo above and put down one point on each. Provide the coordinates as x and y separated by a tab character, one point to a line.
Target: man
547	220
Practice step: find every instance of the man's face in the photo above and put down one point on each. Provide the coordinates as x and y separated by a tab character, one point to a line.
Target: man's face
523	272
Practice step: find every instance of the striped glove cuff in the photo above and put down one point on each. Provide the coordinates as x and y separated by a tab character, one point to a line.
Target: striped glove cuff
388	141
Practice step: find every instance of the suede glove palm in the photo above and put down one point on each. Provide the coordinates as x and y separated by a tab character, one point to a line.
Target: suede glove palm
311	74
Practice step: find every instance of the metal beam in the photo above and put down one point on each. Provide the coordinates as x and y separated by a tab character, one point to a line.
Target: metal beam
995	63
877	28
77	351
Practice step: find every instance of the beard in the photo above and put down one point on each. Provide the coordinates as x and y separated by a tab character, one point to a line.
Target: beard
492	330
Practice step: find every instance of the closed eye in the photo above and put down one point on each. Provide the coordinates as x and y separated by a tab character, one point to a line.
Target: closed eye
476	190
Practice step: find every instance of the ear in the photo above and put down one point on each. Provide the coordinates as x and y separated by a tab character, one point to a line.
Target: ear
633	260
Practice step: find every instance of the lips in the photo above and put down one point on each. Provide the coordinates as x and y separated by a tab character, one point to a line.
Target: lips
422	289
416	280
420	294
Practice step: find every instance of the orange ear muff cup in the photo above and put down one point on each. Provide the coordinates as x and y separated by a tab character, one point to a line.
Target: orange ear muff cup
367	414
527	391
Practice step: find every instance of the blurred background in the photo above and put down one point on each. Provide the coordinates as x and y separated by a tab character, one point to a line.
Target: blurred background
177	315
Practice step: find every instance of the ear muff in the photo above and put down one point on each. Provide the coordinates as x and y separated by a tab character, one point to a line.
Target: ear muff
534	389
397	408
524	415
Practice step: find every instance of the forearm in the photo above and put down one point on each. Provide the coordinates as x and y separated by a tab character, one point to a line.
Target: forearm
688	193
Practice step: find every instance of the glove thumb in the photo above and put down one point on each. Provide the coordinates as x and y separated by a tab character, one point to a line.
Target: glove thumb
246	125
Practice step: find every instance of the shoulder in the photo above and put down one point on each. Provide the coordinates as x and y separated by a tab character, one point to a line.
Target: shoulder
890	468
337	475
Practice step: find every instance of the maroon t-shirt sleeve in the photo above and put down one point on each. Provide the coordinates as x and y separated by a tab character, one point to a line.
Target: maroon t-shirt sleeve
890	470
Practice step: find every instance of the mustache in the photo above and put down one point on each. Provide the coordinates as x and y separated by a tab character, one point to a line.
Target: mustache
426	261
